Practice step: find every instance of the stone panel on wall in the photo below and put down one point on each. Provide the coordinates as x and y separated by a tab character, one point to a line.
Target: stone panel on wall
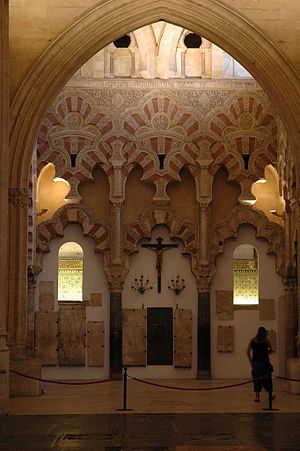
46	301
225	339
71	350
267	309
46	337
95	343
224	305
134	337
183	338
96	300
46	287
273	339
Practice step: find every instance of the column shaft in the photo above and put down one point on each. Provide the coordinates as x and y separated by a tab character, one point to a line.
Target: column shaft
115	335
204	363
17	315
4	153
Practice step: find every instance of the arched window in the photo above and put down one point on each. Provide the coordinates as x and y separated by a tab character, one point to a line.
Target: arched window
245	275
70	272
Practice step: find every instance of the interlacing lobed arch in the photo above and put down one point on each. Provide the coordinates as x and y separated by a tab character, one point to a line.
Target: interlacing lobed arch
160	125
69	214
243	214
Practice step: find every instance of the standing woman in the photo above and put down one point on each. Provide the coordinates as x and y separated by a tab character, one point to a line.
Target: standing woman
258	354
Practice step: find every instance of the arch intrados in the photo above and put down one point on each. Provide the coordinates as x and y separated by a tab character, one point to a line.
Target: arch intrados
97	28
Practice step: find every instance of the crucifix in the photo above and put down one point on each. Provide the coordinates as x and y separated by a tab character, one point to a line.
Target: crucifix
159	248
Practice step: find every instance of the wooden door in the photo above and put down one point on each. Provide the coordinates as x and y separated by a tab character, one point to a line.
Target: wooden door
160	336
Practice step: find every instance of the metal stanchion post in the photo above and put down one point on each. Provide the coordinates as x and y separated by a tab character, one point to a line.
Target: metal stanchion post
270	384
125	391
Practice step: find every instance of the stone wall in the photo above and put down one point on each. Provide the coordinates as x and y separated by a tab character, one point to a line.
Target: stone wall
44	22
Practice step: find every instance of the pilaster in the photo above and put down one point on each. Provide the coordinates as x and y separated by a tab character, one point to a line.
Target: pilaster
4	132
19	200
297	293
291	317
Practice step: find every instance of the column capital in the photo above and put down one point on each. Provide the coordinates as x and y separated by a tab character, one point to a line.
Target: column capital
19	197
204	203
204	277
290	284
116	273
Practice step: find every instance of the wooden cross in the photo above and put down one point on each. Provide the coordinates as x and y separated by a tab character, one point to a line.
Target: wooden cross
159	248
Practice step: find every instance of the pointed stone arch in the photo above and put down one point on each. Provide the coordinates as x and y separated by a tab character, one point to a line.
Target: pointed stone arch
243	214
107	21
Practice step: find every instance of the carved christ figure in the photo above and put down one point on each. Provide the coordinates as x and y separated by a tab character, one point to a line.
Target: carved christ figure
159	248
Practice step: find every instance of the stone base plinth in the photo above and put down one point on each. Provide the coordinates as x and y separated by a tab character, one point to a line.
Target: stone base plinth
22	386
293	372
4	381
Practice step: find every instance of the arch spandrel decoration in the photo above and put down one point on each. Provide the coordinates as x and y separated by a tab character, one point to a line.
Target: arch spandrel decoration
243	214
73	126
72	214
160	124
107	21
245	124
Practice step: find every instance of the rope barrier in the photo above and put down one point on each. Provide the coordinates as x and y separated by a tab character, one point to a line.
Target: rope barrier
149	383
287	379
60	382
125	377
208	388
194	389
198	388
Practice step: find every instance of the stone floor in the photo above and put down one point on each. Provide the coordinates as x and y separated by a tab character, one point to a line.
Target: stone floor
145	432
108	397
86	418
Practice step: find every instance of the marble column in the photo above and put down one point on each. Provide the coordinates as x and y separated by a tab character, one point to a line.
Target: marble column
116	247
4	152
204	364
115	264
116	282
203	233
203	345
116	335
204	197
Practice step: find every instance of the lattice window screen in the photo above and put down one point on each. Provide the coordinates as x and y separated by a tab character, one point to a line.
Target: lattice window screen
70	278
245	281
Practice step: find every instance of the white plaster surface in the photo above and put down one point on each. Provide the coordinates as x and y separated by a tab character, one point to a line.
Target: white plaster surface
94	281
174	263
246	322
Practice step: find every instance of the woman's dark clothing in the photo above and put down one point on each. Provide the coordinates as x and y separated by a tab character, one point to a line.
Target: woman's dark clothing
261	367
